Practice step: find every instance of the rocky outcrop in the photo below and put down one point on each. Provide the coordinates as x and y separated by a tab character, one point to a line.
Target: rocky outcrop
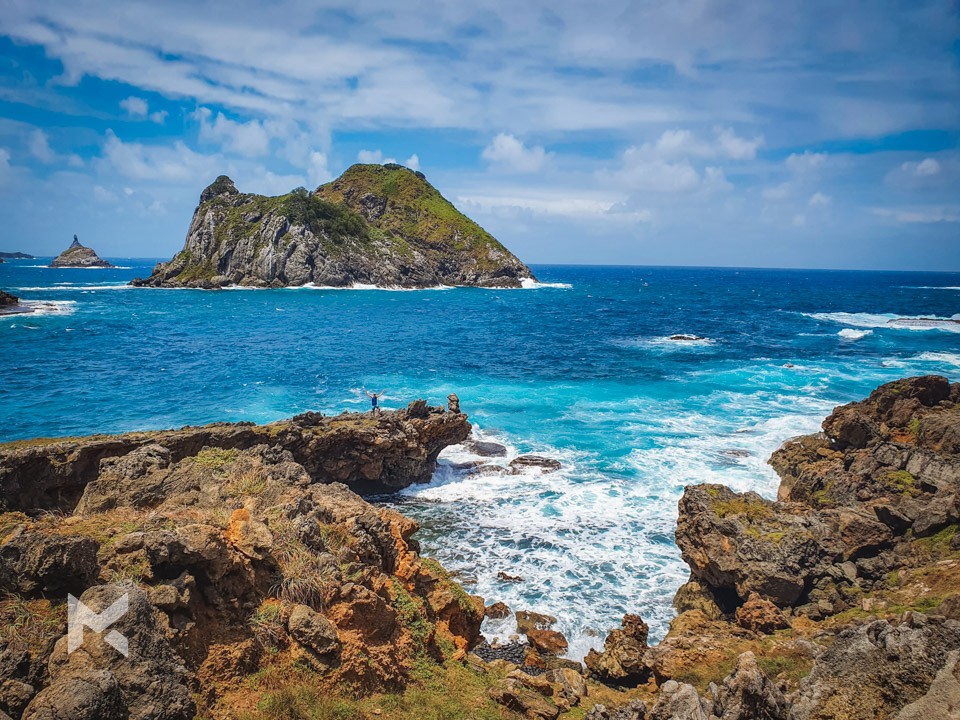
854	501
876	669
79	256
367	452
234	558
839	600
380	225
15	256
8	300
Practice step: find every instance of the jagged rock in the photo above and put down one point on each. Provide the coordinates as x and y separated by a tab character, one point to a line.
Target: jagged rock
497	611
313	630
7	300
525	694
761	616
525	462
31	563
369	453
748	694
78	256
942	700
634	710
94	696
548	642
622	660
356	229
485	449
453	403
14	696
877	669
569	686
694	596
679	701
152	682
528	620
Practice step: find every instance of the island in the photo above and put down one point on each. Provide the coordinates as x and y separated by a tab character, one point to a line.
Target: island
15	256
378	225
79	256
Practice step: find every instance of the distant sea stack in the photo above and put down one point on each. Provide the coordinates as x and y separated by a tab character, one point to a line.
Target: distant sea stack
382	225
79	256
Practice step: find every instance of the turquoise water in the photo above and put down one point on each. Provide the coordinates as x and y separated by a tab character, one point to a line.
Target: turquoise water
580	369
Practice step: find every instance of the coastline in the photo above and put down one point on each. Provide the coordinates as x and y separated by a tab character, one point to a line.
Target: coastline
751	626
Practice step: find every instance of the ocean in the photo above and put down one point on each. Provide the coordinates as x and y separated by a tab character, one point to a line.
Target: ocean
580	367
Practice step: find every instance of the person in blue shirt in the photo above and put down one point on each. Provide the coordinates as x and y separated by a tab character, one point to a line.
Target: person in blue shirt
374	401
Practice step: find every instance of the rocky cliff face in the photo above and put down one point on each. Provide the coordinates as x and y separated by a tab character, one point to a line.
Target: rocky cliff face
368	453
79	256
238	557
381	225
839	600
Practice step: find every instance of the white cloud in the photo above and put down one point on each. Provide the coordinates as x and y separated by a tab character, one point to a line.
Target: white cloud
102	195
920	215
818	199
158	117
38	143
413	162
176	163
135	106
924	168
245	138
737	148
806	162
370	157
39	146
508	152
559	202
317	170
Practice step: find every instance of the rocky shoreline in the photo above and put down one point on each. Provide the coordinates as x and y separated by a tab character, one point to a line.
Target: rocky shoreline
260	585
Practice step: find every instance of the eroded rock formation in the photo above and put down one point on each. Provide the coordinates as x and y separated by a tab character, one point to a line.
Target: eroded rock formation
381	225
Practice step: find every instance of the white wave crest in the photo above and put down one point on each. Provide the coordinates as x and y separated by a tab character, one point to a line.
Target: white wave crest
37	308
531	284
890	321
851	334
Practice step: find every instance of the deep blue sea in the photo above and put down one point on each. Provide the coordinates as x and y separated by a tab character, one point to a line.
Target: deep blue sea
580	368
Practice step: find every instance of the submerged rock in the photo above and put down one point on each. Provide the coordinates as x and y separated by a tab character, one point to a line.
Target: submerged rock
524	462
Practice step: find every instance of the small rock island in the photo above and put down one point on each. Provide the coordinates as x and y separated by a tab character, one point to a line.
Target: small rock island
381	225
79	256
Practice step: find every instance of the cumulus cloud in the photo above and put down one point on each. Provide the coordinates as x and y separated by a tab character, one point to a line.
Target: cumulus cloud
318	171
805	162
509	152
684	143
818	199
139	108
413	162
168	163
38	143
373	157
924	168
245	138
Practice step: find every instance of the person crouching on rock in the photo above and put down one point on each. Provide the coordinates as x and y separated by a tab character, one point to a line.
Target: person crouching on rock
374	401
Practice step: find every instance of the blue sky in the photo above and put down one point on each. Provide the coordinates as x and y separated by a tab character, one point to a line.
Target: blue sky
695	132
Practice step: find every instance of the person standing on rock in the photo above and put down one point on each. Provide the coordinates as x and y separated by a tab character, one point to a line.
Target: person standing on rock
374	401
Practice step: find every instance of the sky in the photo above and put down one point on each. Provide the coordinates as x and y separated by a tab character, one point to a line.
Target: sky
788	133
